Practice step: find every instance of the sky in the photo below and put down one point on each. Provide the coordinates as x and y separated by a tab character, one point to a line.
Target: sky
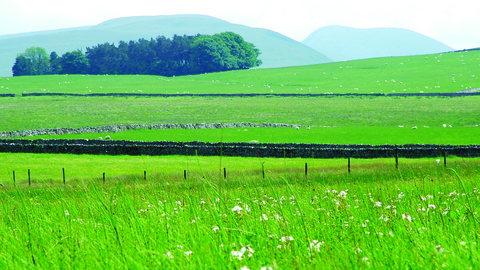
454	23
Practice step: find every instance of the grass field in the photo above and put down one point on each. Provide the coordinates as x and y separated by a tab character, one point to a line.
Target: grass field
420	216
328	135
448	72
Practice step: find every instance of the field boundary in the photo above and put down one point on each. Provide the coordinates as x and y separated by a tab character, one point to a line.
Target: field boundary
456	94
276	150
119	128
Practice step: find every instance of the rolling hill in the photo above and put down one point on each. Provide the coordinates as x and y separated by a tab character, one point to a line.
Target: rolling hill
341	43
277	50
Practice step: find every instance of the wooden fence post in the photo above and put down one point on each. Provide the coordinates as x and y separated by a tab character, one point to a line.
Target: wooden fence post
306	169
225	173
103	177
144	175
445	159
63	171
29	182
348	164
185	174
13	176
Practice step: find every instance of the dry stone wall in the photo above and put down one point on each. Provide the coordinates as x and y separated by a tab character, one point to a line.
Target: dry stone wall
290	150
118	128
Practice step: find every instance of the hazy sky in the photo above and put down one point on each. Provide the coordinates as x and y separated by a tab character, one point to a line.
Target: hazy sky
455	23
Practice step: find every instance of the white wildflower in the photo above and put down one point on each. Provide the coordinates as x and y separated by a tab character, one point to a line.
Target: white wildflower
237	209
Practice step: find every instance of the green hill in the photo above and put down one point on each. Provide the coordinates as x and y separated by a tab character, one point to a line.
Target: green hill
341	43
277	50
436	73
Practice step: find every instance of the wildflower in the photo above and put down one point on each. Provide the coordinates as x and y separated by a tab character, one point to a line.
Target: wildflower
67	213
463	243
178	202
378	204
401	195
407	216
237	209
169	255
216	229
245	268
266	268
188	253
390	233
315	245
263	217
285	238
432	206
342	194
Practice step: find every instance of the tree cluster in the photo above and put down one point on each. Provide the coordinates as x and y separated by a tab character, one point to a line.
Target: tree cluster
181	55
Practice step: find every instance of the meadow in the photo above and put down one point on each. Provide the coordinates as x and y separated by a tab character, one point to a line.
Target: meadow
421	215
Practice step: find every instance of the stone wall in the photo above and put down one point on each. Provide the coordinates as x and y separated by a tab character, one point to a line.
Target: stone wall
289	150
457	94
118	128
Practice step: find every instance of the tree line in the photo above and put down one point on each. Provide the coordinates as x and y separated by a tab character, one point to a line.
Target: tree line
180	55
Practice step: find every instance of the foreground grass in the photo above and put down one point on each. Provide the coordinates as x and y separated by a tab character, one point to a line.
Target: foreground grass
421	216
448	72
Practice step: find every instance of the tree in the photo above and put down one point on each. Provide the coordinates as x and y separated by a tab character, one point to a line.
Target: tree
74	63
34	61
208	55
23	66
55	67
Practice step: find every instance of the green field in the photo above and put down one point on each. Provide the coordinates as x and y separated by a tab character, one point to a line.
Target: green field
448	72
420	215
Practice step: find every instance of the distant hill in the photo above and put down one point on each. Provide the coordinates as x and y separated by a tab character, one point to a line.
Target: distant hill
277	50
341	43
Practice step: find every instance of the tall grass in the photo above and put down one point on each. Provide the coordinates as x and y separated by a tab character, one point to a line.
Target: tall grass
420	216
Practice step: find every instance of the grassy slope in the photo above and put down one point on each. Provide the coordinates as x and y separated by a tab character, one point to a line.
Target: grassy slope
410	74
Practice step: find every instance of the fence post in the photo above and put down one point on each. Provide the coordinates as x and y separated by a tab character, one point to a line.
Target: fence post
185	174
144	175
306	169
13	176
103	177
29	182
445	159
225	173
348	164
63	171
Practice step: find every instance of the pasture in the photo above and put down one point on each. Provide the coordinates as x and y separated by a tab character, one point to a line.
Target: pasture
421	215
436	73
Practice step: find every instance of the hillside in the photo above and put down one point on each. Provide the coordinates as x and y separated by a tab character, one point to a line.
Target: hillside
277	50
341	43
437	73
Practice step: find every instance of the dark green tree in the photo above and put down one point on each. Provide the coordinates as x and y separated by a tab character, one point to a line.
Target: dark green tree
74	63
23	66
55	67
